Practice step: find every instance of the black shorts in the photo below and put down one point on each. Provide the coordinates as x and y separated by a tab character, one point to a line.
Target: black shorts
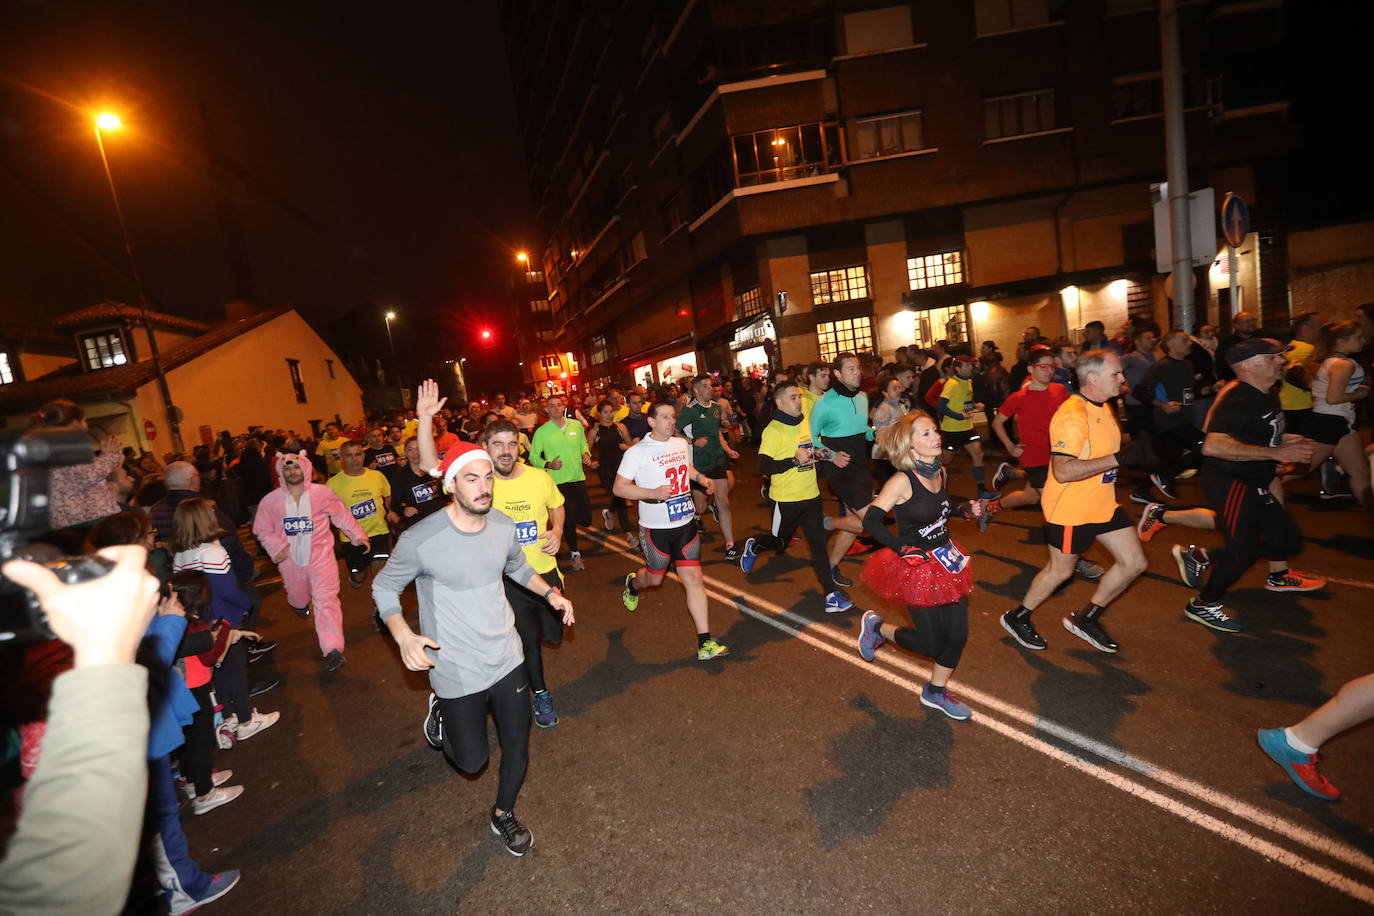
1075	539
959	438
851	484
357	559
1295	421
1326	428
680	546
718	472
1038	476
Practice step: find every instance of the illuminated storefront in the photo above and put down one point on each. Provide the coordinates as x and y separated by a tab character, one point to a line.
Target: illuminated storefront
677	368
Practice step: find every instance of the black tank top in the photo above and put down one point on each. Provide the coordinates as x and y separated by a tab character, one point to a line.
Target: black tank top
608	447
921	519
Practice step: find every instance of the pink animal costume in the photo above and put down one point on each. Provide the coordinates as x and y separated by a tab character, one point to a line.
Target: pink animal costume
309	570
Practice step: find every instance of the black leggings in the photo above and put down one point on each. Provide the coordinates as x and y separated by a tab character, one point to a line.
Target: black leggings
810	515
231	684
578	508
536	622
200	742
465	732
619	506
939	632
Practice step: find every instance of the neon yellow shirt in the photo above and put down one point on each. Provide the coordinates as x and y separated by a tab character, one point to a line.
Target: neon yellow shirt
780	441
1291	397
527	500
959	393
329	450
363	496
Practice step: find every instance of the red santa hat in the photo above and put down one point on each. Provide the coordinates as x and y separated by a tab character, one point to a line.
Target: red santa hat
454	459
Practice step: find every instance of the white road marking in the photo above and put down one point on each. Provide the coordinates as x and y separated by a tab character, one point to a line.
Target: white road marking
841	647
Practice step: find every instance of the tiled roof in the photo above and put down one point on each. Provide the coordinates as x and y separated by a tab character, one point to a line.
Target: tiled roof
118	310
123	381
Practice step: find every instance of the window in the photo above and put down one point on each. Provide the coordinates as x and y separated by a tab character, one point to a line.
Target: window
839	285
329	364
888	135
1016	115
877	30
600	352
786	153
993	16
940	324
851	335
549	363
546	335
104	350
935	270
1137	96
539	306
295	366
6	371
749	303
534	276
673	214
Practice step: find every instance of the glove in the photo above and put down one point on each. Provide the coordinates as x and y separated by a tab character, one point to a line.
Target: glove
970	511
914	555
1132	453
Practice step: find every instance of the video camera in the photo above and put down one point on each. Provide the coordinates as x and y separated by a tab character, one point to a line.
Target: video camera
25	460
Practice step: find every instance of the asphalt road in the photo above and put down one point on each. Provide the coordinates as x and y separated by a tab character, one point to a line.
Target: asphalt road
791	776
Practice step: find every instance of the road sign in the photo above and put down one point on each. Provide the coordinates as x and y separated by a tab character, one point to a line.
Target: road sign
149	429
1202	228
1235	220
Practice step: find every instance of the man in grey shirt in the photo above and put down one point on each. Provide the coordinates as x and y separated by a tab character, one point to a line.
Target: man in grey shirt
467	638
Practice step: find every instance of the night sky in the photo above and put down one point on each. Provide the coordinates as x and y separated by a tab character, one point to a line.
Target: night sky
372	154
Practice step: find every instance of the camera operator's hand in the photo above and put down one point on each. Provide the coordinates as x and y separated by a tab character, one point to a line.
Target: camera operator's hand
102	620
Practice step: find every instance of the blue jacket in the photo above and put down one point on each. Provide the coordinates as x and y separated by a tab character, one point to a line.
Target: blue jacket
170	703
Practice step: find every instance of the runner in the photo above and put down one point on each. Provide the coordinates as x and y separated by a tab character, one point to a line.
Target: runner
560	447
610	439
816	378
416	494
1244	445
467	640
788	456
839	422
636	423
366	494
920	567
293	525
701	421
379	456
956	409
1296	748
657	471
1080	505
329	446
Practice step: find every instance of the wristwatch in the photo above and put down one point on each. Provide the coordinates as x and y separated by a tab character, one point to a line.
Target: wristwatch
552	590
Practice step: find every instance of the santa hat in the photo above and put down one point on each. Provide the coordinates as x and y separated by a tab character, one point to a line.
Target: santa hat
454	459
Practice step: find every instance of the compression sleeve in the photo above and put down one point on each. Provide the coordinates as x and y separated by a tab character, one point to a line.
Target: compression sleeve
873	524
769	465
943	407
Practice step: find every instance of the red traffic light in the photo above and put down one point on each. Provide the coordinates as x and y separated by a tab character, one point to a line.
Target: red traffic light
486	335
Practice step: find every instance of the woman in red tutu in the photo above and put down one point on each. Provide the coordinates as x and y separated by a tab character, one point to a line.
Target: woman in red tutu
920	567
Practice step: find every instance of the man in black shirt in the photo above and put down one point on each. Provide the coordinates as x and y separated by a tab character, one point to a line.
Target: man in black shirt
1172	386
1244	445
414	493
379	456
1244	326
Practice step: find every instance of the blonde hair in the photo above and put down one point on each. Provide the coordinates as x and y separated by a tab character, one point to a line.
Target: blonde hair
895	440
194	524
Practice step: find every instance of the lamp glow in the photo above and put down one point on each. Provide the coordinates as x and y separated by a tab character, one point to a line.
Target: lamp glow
107	121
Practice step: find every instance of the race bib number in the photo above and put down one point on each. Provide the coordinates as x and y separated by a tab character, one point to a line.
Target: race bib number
423	492
950	557
680	507
364	509
1187	397
386	459
298	524
1109	476
334	454
527	533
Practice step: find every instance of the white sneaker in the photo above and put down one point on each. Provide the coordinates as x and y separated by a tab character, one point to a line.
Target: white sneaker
577	560
606	517
217	797
227	734
220	777
256	724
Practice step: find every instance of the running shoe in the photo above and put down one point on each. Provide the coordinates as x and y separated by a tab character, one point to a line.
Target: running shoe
1164	486
334	661
227	733
869	637
1210	616
732	553
1023	631
1300	767
215	798
985	493
1151	522
1186	474
1293	581
700	525
1088	569
1091	631
837	602
302	612
840	578
715	512
1334	485
544	716
378	622
355	578
258	648
630	598
515	835
220	885
748	556
260	722
217	779
711	649
575	561
1004	472
944	701
857	547
263	685
607	520
1192	563
434	726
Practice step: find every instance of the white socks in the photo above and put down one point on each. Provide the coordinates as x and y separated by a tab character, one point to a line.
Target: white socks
1296	744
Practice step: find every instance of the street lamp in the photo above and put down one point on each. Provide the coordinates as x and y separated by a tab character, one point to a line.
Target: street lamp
391	344
522	257
107	121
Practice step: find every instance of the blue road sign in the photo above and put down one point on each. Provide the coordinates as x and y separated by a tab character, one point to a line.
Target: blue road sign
1235	220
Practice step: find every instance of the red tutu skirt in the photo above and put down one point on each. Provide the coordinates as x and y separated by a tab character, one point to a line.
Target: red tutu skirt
916	585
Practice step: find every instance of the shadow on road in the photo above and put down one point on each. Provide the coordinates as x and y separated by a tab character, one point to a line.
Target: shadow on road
1268	660
1092	703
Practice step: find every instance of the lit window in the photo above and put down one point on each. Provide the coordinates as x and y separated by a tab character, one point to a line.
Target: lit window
1016	115
539	305
839	285
534	276
850	335
550	363
600	350
787	153
104	350
749	303
940	324
6	372
888	135
935	270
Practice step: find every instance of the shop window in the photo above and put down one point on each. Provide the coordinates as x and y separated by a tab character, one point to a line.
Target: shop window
104	350
787	153
935	270
749	303
839	285
1017	115
6	370
889	135
850	335
295	366
931	325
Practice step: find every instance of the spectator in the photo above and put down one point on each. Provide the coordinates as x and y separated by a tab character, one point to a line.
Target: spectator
79	494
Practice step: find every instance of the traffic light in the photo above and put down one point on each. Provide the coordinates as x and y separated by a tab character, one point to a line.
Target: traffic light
486	334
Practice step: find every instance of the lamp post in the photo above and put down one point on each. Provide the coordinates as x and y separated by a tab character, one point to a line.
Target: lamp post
106	121
391	344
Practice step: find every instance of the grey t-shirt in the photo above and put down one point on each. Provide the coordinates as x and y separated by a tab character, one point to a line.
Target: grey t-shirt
463	605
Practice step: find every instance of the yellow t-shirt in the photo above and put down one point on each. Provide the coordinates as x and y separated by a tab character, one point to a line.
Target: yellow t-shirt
780	441
363	496
808	401
1291	397
621	413
1082	429
527	500
959	393
329	450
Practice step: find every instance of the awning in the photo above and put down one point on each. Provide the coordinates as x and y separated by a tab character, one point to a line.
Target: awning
658	351
1056	282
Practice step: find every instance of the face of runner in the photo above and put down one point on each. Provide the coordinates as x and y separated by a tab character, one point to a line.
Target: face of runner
850	373
789	401
553	409
1145	341
662	422
351	457
472	487
702	391
413	454
331	430
1042	371
606	415
374	438
893	390
504	448
1068	357
636	403
820	379
1106	383
925	439
1178	346
962	369
292	474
